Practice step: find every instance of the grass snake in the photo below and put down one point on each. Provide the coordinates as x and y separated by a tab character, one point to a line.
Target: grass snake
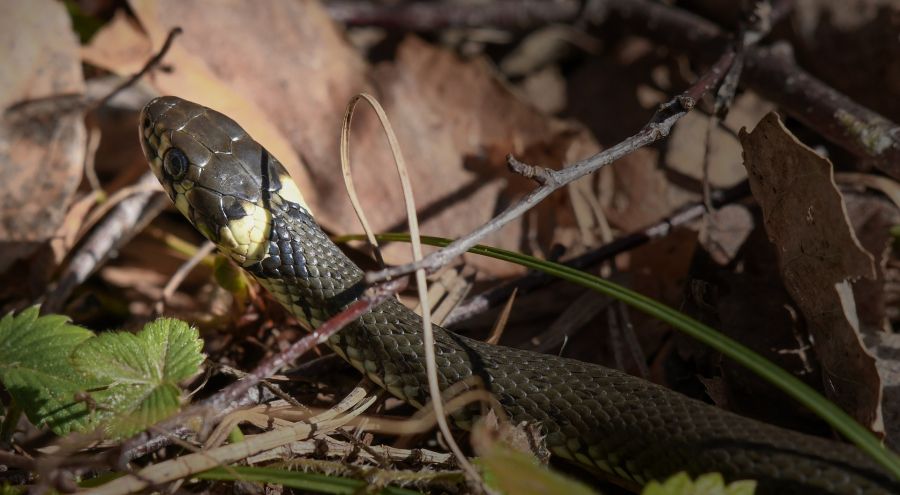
241	198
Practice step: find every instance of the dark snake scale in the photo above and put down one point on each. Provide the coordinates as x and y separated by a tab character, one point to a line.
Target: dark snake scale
241	198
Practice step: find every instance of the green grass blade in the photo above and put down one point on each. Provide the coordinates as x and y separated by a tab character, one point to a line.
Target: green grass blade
801	392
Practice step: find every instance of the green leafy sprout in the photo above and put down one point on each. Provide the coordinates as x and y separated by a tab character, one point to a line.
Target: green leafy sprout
65	377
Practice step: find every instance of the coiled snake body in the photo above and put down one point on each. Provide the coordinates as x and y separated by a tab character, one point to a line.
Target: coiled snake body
241	198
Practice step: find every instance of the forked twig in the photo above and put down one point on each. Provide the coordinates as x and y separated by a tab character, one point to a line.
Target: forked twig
657	128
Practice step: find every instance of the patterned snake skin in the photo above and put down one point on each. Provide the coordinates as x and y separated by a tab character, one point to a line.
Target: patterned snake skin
241	198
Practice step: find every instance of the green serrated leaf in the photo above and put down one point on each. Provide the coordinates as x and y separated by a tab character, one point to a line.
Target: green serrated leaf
141	372
515	473
35	369
706	484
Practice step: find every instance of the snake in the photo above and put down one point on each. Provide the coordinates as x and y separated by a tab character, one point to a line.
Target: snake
625	428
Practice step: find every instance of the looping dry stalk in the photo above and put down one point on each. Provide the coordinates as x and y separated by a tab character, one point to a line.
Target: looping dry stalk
421	283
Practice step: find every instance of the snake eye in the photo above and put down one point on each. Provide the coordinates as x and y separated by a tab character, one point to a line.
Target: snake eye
175	163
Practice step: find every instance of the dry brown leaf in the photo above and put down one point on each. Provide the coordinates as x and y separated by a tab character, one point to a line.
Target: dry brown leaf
686	149
212	35
450	115
120	46
886	347
872	218
41	156
725	231
819	256
751	299
639	191
290	63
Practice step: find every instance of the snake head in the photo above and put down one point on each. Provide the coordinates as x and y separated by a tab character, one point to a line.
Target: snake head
222	180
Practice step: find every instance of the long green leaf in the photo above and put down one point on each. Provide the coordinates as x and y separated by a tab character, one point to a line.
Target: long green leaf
801	392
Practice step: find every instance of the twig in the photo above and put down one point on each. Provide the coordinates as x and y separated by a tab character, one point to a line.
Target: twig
377	479
331	447
222	402
770	71
33	108
534	280
184	466
431	15
657	128
773	72
127	219
153	62
178	277
231	398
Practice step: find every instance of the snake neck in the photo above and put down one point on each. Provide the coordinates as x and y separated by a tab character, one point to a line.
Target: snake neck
303	269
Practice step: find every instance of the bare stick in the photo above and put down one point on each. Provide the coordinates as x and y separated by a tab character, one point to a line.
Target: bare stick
153	62
657	128
181	467
231	397
498	295
125	220
431	15
773	72
178	277
222	401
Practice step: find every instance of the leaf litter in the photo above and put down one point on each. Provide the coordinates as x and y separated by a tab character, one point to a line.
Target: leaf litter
285	71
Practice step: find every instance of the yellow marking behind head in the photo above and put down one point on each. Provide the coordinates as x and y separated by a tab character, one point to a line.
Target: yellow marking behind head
290	192
246	239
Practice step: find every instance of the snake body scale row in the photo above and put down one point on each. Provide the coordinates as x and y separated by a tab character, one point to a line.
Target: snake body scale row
241	198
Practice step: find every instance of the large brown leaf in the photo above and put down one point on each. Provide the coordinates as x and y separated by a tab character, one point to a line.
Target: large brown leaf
41	146
819	256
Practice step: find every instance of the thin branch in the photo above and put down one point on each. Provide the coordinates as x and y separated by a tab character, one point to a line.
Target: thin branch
71	102
181	467
122	223
178	277
222	402
153	62
528	283
773	72
432	15
770	71
657	128
331	447
232	397
127	219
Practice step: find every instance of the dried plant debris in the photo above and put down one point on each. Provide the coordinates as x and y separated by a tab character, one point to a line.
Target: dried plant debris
42	150
797	272
819	257
457	134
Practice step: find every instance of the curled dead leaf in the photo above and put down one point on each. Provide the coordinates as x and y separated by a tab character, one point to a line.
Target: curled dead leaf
819	256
